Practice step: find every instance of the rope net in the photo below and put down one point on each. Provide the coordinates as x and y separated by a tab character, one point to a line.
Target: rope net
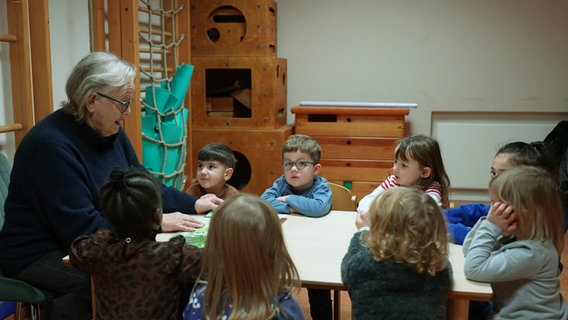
164	117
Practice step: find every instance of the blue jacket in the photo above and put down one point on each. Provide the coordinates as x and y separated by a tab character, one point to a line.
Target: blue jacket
289	308
463	218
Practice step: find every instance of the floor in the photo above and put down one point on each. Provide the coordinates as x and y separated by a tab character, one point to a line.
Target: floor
345	308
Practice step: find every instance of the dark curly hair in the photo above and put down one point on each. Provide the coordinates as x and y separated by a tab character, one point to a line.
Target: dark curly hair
129	199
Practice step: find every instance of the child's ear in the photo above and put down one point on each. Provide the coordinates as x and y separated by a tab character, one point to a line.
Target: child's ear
317	168
426	172
228	173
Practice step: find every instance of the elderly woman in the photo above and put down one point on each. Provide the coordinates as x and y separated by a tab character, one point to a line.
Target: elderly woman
58	170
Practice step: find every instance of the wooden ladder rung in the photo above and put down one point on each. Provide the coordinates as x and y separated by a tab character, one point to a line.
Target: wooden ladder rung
10	127
8	38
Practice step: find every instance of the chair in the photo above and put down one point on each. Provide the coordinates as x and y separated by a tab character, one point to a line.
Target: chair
342	198
12	289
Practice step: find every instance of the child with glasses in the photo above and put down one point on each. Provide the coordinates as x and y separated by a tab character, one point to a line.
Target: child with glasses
301	190
215	166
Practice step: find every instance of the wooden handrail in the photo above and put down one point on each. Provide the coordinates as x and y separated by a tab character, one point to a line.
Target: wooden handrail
8	38
10	127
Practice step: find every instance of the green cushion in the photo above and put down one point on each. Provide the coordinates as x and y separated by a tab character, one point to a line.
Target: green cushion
16	290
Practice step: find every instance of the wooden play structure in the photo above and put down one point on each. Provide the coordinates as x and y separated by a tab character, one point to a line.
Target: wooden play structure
238	92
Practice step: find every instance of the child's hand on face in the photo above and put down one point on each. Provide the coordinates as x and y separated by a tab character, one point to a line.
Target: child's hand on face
503	215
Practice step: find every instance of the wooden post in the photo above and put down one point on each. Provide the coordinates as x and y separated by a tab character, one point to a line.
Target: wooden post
20	66
41	60
129	51
98	25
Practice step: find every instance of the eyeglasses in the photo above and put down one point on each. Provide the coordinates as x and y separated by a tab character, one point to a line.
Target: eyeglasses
300	164
123	104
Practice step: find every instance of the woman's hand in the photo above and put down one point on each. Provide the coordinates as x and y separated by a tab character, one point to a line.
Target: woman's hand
503	215
177	221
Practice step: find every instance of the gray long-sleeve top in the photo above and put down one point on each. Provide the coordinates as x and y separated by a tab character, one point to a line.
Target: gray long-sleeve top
524	274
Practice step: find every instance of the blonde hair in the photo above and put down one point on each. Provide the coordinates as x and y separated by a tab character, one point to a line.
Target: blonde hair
426	151
408	226
245	260
533	194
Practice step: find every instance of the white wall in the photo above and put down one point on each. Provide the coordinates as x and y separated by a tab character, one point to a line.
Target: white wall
444	55
484	55
70	41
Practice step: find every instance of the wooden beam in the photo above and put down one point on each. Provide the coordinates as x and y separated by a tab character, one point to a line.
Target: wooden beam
41	60
184	28
8	38
98	25
129	51
20	67
10	127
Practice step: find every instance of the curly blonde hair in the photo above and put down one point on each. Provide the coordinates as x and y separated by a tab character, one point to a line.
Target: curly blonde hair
408	227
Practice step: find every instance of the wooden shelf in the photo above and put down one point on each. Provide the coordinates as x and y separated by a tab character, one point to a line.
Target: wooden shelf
357	142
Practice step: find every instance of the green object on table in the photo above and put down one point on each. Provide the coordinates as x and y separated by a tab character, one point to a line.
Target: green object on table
196	238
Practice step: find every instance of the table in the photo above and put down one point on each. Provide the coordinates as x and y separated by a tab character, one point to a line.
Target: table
317	246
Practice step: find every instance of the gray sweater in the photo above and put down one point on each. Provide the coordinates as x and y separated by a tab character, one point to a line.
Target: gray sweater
523	274
391	290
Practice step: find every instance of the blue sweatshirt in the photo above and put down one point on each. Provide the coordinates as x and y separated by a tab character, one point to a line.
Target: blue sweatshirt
314	202
53	194
463	218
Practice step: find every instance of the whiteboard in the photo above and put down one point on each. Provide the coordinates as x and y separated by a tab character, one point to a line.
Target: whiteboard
469	140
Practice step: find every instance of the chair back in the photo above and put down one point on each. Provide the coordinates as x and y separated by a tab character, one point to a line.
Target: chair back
4	182
342	198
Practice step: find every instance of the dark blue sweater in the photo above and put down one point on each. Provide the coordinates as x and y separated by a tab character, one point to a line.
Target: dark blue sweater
53	195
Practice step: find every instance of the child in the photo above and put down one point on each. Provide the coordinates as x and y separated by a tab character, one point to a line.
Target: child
301	190
397	265
517	246
462	218
247	270
215	166
417	162
135	276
